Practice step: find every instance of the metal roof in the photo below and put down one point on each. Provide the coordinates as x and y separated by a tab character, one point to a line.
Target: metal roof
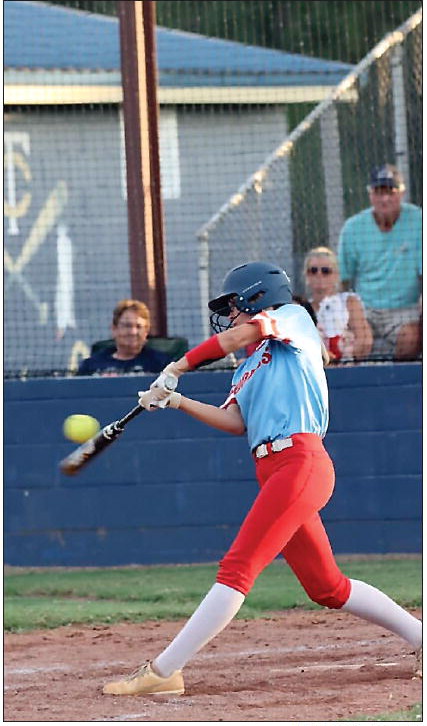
39	36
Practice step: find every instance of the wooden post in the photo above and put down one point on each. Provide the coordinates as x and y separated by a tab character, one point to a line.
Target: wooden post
145	212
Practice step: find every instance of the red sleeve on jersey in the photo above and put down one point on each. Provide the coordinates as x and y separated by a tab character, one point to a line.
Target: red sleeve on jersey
210	349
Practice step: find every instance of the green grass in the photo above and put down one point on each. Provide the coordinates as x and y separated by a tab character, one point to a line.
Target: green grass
49	598
413	714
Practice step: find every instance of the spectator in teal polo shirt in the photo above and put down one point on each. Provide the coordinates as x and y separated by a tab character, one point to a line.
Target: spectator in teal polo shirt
380	258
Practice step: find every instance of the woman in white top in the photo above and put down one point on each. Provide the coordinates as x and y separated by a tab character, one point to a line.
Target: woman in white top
341	318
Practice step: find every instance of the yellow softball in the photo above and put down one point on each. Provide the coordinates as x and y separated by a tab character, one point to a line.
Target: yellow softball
79	427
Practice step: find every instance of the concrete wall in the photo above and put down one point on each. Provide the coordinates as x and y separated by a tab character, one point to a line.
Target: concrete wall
175	490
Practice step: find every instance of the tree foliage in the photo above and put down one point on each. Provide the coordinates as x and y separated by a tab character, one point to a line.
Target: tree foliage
335	29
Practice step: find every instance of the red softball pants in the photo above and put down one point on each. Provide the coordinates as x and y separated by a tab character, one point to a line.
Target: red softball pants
284	519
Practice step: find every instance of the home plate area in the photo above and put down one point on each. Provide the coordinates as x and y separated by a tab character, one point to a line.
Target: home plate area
296	666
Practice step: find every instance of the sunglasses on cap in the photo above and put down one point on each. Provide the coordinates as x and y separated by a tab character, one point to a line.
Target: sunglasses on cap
324	270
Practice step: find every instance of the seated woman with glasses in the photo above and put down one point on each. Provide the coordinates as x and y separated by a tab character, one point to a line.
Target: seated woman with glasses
127	351
341	318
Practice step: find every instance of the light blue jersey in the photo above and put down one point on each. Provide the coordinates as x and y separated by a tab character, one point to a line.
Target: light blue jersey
385	266
281	388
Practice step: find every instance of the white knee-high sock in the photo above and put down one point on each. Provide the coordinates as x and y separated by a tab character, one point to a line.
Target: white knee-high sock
371	604
214	612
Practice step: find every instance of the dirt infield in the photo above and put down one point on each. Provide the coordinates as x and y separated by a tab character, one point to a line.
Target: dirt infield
298	666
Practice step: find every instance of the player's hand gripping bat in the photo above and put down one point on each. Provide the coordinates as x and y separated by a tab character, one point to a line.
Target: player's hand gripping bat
91	448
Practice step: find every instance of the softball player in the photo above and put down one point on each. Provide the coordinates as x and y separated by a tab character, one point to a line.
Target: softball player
279	397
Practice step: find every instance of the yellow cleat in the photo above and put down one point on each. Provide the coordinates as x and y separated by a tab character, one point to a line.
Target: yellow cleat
144	681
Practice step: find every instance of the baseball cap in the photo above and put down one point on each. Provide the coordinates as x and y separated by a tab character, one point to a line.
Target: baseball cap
386	175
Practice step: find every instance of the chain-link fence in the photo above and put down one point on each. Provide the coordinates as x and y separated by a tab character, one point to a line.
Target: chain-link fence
239	91
300	198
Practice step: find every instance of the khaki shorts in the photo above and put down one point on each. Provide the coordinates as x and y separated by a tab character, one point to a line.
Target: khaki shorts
385	326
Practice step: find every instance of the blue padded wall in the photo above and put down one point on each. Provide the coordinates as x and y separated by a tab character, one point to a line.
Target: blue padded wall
174	490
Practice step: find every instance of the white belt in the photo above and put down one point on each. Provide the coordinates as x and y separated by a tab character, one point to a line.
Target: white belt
272	446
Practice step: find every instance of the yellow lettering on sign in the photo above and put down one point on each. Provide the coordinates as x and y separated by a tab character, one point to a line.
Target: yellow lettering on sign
18	209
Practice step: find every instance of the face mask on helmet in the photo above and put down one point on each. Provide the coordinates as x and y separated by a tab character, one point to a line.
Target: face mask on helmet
223	319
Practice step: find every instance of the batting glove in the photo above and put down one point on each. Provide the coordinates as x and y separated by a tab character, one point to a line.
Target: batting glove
165	383
146	400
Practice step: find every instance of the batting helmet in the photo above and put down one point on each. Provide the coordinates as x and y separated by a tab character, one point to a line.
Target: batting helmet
253	287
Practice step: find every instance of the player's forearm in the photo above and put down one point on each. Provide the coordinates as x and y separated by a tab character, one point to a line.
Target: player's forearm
224	419
216	347
239	337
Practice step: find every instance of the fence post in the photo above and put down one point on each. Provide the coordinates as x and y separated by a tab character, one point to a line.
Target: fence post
145	214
